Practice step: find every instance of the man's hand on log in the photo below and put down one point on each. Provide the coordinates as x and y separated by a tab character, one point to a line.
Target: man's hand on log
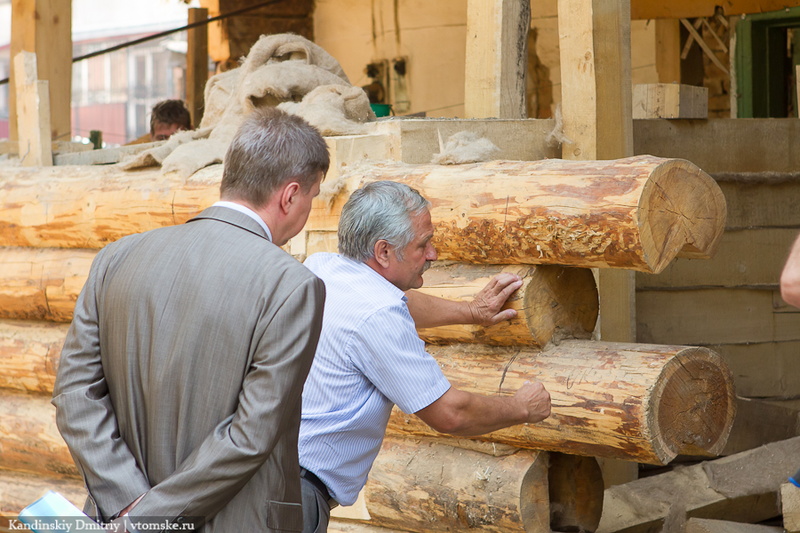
487	306
536	399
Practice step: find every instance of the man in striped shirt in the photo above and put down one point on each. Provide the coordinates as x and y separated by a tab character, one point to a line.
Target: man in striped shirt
369	355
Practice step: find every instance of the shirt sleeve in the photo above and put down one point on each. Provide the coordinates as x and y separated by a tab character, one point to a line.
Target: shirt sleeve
389	352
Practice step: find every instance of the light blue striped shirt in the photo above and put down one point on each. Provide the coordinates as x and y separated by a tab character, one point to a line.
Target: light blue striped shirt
369	358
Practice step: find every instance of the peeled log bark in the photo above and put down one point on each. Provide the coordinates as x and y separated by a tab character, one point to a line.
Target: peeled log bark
554	303
29	353
637	402
637	213
91	206
42	283
18	489
434	487
29	438
423	485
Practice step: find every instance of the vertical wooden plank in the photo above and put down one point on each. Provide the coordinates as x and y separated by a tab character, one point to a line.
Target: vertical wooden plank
33	113
196	65
596	88
496	60
668	50
597	108
596	100
797	89
218	45
790	507
45	28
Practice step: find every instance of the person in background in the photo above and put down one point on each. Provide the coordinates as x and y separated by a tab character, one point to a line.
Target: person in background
370	358
166	117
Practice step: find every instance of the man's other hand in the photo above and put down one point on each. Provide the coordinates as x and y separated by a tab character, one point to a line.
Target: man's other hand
487	306
536	399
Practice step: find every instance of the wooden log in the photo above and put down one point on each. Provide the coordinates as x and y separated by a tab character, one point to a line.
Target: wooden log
42	283
740	488
426	485
89	207
343	526
576	488
18	489
29	439
554	303
636	402
637	213
29	353
705	525
790	507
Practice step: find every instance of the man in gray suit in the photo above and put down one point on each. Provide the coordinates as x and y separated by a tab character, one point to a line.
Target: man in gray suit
178	391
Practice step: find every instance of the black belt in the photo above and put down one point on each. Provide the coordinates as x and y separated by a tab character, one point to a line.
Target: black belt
312	478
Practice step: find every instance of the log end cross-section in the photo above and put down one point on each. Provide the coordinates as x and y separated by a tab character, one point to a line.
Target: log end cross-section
554	303
636	213
682	212
693	404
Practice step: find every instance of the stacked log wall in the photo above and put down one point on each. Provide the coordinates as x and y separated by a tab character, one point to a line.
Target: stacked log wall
731	303
48	235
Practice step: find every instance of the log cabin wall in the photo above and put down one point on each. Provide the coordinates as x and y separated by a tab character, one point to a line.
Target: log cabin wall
732	302
55	219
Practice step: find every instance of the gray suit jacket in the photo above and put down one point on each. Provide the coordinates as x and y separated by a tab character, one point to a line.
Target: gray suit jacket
182	373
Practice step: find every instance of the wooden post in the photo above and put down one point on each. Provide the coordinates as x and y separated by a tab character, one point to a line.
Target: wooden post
33	113
596	102
196	65
790	507
96	139
797	82
668	50
45	28
497	37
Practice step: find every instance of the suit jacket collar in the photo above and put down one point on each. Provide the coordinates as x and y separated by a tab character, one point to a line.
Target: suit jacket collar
232	217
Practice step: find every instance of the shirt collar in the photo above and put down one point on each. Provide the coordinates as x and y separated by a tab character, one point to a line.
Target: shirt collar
246	211
391	287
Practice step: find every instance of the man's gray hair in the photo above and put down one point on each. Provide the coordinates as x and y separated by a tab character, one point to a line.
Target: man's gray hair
379	210
270	148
